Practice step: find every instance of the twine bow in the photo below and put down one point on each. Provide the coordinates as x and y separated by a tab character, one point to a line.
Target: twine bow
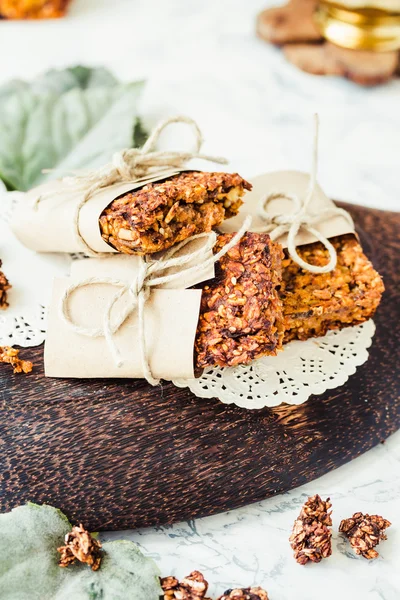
150	275
278	225
132	164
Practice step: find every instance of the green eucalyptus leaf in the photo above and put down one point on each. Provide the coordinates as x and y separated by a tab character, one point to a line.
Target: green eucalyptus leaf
65	121
60	81
29	538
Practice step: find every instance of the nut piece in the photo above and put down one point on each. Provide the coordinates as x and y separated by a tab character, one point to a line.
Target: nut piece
192	587
4	286
10	355
254	593
80	545
364	532
241	312
311	536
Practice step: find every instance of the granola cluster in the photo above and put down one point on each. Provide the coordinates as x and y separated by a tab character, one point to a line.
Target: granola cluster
241	312
254	593
364	532
81	546
161	214
192	587
4	287
314	303
10	356
311	535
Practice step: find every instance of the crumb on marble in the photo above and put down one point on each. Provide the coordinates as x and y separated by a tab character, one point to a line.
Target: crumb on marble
311	538
192	587
364	532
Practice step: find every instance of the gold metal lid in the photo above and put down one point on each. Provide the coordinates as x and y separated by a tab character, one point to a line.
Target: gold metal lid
362	28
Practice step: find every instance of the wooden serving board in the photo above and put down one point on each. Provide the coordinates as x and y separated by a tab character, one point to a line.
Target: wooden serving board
121	454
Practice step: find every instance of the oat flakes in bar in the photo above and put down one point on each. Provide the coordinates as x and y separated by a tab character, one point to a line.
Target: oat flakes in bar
315	303
160	214
241	312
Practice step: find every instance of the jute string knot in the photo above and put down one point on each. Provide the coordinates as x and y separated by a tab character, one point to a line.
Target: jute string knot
132	164
151	273
301	217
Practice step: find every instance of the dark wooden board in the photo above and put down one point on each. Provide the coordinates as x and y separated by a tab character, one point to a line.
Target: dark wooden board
120	454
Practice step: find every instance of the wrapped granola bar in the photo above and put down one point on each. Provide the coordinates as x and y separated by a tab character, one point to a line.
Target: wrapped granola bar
232	318
144	201
133	217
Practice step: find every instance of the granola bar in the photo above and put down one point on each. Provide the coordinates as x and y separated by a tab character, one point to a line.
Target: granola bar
241	312
4	287
315	303
364	532
160	214
311	538
33	9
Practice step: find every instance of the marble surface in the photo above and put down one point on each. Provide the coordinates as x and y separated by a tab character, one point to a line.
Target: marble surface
202	59
250	545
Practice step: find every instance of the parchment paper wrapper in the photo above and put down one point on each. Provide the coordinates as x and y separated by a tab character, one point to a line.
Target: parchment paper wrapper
49	225
171	317
294	183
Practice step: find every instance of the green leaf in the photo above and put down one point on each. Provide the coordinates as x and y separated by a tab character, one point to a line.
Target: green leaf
65	121
29	538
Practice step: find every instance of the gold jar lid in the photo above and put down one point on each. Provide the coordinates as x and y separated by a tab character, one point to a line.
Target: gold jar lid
359	28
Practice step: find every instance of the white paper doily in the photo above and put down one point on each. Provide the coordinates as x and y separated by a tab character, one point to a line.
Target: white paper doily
300	370
31	276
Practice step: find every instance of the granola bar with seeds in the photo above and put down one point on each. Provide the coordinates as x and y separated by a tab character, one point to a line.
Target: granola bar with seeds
81	546
311	538
253	593
314	303
4	287
163	213
192	587
241	312
364	532
10	356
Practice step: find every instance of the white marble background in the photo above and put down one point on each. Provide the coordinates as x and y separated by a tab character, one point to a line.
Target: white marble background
250	545
202	58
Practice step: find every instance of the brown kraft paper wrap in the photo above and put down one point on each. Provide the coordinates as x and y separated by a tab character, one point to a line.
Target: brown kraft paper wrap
170	316
288	183
170	326
45	218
